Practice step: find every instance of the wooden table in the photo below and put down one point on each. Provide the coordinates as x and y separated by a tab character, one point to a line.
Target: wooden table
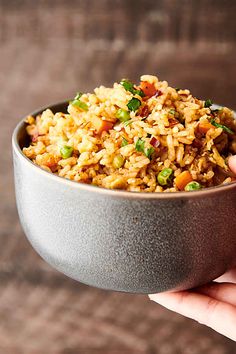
48	51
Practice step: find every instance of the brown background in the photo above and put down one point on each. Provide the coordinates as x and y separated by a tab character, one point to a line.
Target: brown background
48	51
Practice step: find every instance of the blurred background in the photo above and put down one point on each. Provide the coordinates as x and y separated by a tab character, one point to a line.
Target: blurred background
48	51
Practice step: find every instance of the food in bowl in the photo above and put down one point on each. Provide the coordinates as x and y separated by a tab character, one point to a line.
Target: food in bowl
121	240
144	138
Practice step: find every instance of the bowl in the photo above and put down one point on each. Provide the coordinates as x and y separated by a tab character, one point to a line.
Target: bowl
124	241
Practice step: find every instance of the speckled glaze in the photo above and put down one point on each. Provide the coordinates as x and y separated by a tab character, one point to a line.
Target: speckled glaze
125	241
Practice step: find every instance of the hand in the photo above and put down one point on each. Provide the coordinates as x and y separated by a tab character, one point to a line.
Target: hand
213	305
232	164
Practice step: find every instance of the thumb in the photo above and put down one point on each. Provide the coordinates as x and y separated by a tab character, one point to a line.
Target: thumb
232	164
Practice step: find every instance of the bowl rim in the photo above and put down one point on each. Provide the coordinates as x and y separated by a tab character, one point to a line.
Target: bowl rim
100	190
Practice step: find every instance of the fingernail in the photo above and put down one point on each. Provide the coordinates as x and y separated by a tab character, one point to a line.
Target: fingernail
156	297
151	297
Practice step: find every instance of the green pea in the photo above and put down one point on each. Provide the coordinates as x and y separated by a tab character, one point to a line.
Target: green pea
118	161
165	176
66	151
123	115
192	186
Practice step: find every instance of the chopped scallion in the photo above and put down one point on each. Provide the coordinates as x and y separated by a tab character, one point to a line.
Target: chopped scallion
134	104
123	115
129	86
124	142
149	152
118	161
79	94
128	122
80	104
226	129
165	176
208	103
140	147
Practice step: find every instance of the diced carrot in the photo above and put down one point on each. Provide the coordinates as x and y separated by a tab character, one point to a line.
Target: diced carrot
204	126
101	125
148	88
183	179
51	162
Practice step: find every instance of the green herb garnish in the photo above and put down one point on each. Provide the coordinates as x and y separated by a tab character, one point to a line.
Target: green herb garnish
226	129
208	103
129	86
134	104
172	111
66	151
124	142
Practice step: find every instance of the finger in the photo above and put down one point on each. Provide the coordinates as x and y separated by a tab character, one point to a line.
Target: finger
232	163
229	277
225	292
215	314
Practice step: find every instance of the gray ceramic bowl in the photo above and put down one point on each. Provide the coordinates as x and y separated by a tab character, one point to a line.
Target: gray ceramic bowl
126	241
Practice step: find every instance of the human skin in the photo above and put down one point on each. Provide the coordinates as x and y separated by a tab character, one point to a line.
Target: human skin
213	305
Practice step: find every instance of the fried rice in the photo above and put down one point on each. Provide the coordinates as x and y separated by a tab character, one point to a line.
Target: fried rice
144	138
